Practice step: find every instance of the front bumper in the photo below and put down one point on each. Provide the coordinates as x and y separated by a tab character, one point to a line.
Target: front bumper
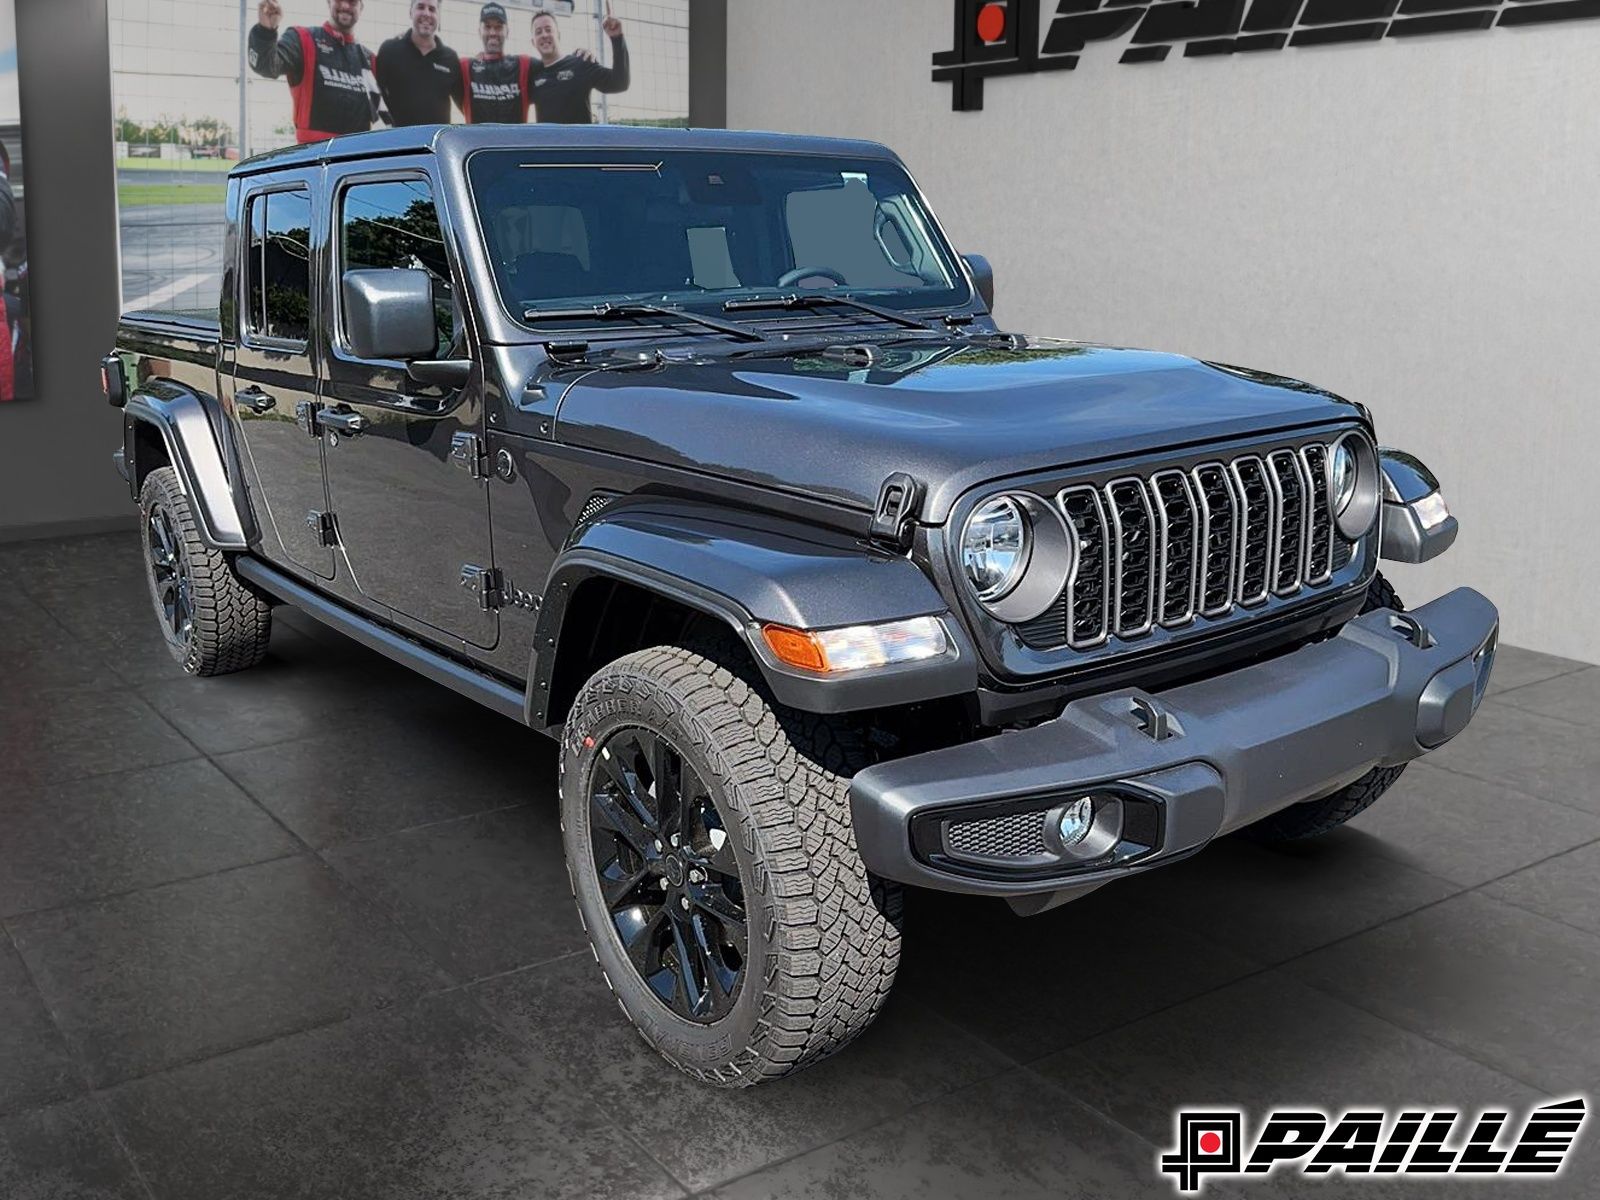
1182	766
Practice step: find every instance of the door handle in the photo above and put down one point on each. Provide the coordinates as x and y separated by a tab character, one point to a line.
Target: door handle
348	423
255	400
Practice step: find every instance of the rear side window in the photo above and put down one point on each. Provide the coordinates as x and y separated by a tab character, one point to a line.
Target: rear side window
392	224
278	266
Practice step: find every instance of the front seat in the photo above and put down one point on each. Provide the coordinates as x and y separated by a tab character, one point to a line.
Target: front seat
543	275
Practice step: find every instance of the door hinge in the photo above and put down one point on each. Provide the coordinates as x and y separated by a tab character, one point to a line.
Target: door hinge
466	452
895	517
324	526
486	583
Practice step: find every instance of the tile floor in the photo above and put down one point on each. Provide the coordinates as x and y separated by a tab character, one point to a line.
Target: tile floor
260	942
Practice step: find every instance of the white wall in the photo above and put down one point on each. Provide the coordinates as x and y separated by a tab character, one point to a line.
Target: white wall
1414	224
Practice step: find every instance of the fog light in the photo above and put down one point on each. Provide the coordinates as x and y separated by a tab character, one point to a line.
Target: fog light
1075	821
1085	828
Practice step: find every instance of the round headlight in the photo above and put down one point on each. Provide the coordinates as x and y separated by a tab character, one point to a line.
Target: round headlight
1342	482
1355	485
994	547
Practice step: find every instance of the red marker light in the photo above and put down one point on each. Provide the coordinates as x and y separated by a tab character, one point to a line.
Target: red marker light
992	22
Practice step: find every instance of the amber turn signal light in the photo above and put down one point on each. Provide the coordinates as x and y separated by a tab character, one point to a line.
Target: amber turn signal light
857	647
795	647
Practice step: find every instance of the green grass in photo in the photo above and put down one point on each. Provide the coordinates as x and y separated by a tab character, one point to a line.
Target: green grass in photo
139	195
200	166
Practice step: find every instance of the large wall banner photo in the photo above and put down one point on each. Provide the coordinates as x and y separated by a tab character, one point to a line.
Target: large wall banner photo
16	362
198	84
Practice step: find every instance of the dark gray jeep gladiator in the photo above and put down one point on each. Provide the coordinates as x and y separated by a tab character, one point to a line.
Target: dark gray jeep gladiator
702	453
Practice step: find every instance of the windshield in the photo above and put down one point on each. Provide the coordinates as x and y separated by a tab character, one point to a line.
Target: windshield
578	227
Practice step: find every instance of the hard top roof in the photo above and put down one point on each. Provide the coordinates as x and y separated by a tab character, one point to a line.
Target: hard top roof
464	138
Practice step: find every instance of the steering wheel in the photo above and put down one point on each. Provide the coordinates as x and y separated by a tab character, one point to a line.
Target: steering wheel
793	278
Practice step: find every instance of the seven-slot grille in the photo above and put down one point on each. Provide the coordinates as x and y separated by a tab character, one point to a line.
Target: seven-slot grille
1164	549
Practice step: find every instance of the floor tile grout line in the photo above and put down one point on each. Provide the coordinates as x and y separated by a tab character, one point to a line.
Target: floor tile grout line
1261	970
1577	669
1511	787
105	897
1462	890
495	976
369	838
80	1064
1431	1039
389	913
197	1060
87	776
1568	722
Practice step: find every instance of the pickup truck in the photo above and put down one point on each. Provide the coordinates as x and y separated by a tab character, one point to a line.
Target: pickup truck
702	452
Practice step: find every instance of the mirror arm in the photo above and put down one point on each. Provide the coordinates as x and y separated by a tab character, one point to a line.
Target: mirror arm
443	372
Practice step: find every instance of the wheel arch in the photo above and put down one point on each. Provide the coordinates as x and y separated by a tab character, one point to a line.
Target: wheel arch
170	425
658	571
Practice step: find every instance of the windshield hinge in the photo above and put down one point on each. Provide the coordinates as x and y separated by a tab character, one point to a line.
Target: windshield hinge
896	514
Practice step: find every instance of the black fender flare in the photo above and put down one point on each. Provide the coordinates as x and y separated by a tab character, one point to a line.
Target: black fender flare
191	438
745	571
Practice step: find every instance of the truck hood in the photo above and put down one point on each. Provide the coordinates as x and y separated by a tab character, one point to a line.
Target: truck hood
951	414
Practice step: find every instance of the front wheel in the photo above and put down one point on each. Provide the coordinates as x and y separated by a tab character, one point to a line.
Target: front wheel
709	842
1328	813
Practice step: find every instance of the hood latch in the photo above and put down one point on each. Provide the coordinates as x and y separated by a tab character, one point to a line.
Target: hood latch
896	513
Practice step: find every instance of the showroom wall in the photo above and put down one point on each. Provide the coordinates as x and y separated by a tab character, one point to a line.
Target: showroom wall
55	449
1412	223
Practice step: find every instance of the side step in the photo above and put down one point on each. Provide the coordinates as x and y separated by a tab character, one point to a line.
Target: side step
486	690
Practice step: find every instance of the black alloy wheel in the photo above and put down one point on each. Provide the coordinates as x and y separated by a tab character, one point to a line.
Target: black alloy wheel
169	573
667	873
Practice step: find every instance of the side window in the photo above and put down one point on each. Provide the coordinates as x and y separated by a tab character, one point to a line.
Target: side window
278	266
839	228
393	225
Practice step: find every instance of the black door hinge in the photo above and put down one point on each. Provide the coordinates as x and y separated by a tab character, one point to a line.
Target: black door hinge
895	518
486	583
466	452
324	526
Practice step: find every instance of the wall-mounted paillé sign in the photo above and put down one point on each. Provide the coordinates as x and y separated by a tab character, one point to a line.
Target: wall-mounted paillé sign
1002	37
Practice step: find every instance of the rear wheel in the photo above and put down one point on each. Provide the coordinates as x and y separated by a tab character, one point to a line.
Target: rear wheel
1328	813
212	622
714	865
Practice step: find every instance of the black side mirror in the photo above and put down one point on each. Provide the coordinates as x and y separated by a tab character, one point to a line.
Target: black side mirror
389	314
982	277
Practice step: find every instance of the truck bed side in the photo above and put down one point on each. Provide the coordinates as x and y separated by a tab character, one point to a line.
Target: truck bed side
174	415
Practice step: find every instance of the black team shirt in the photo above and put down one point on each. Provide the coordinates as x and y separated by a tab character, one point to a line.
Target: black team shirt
561	90
494	89
417	88
327	74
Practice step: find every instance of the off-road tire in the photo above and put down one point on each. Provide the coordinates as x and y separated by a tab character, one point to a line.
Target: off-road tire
1328	813
230	624
823	934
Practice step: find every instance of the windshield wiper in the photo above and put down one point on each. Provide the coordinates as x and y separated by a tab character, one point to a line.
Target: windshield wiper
608	310
826	300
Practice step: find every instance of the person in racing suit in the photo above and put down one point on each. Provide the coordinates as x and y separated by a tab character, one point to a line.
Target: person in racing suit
494	84
330	74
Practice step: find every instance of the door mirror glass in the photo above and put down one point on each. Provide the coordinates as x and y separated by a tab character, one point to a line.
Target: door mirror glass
388	314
